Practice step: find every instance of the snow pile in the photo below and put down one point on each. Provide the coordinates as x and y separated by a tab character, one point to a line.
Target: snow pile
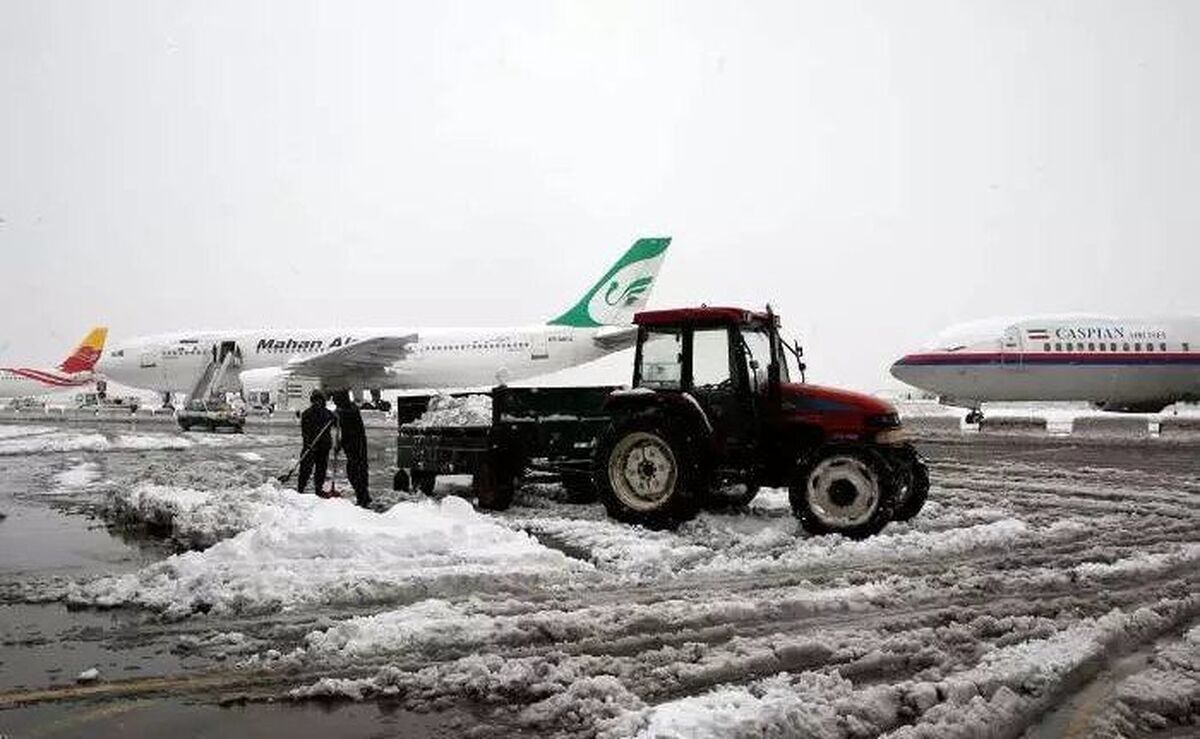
611	546
332	552
201	474
72	441
196	519
833	549
150	442
1163	696
722	544
446	410
54	441
222	441
810	705
12	432
79	476
1010	686
435	624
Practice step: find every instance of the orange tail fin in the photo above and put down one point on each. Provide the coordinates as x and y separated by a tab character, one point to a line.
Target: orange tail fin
85	356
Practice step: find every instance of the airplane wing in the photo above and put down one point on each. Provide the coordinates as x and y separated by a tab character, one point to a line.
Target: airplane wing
361	361
615	337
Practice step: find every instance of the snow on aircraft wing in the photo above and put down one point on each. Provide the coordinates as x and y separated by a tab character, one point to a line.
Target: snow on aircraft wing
366	358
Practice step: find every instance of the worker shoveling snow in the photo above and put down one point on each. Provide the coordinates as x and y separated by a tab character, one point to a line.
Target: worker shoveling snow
448	410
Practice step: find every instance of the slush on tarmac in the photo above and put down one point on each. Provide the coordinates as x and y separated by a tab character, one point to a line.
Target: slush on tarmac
155	582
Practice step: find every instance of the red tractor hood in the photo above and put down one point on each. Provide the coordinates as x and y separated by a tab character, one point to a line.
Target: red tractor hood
815	399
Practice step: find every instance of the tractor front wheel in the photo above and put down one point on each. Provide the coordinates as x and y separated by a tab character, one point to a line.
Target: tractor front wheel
913	493
843	490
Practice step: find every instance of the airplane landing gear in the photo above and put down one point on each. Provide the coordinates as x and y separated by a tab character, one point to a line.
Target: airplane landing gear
974	416
167	406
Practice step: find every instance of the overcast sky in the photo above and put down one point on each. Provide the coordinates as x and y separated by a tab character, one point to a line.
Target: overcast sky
876	170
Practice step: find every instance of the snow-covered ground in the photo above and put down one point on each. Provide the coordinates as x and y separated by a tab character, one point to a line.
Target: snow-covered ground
1048	589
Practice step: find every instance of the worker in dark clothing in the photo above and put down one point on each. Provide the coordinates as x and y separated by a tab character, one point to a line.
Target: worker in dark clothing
353	443
316	430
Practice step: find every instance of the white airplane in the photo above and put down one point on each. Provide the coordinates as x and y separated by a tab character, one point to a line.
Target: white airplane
401	358
1117	364
75	370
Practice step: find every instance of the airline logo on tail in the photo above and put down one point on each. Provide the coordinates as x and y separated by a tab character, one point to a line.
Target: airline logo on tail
85	356
622	291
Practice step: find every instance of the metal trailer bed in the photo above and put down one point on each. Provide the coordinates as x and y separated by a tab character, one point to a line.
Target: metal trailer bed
548	430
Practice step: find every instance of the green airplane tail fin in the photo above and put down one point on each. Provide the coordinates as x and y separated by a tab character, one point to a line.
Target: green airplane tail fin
622	291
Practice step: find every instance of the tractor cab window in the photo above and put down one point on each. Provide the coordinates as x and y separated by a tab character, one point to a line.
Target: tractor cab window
662	359
710	358
758	357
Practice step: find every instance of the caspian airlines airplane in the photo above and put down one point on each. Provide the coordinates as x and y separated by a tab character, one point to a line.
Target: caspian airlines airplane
401	358
1118	364
75	371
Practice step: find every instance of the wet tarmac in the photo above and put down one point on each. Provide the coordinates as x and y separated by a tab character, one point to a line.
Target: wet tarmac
1043	533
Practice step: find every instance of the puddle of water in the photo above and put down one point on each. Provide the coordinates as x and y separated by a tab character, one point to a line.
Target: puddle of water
46	645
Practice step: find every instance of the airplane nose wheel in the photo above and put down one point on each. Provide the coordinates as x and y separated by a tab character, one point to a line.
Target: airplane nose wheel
974	416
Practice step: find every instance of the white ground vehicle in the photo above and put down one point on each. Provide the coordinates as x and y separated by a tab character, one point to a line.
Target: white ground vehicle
98	402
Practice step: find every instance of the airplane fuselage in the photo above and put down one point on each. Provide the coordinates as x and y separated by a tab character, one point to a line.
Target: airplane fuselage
19	382
438	358
1118	364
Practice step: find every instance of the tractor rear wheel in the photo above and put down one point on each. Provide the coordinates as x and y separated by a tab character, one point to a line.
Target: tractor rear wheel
842	490
645	476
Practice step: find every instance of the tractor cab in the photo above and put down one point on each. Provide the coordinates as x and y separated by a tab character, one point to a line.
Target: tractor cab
728	360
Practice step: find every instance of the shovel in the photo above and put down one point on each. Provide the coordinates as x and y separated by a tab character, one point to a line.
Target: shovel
292	470
331	490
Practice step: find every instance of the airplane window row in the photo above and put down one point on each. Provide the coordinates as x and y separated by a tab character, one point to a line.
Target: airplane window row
1092	346
459	347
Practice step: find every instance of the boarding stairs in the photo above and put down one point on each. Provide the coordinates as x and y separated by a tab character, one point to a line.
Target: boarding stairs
220	375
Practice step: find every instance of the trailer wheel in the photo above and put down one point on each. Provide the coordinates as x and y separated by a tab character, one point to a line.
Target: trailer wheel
912	493
424	482
494	486
401	482
843	490
644	476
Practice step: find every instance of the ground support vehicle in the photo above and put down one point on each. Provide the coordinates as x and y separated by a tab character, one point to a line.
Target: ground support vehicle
712	405
552	431
211	414
104	403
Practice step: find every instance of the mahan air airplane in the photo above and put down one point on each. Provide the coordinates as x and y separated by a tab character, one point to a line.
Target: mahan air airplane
401	358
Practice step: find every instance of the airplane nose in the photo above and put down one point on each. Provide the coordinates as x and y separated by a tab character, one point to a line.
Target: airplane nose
902	370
